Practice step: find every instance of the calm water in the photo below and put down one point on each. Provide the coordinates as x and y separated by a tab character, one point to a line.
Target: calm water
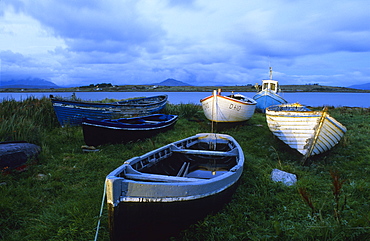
305	98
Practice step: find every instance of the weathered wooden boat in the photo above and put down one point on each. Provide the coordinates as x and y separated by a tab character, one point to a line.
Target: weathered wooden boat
162	191
14	155
309	132
232	108
71	112
268	96
98	132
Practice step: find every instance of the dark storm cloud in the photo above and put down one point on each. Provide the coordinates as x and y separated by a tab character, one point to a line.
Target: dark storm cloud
96	25
199	41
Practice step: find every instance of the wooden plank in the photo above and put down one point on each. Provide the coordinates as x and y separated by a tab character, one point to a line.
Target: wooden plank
205	152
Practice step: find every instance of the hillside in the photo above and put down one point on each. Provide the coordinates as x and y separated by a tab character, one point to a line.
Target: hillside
28	82
171	82
168	85
361	87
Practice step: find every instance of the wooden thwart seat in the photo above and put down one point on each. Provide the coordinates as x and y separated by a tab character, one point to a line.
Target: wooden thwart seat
205	152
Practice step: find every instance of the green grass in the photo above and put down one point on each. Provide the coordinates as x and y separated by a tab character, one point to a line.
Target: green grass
59	197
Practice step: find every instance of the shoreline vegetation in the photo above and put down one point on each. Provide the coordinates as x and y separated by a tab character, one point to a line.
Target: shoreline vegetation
152	88
59	197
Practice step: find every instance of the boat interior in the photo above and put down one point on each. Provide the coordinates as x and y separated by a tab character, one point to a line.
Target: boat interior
292	107
240	98
190	162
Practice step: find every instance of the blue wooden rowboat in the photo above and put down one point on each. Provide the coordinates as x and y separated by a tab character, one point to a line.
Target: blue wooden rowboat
71	112
98	132
164	190
268	96
14	155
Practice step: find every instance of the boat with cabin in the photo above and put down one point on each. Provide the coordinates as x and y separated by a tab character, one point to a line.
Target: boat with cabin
269	95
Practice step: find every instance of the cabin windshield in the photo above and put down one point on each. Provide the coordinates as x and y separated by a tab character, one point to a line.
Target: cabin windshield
273	87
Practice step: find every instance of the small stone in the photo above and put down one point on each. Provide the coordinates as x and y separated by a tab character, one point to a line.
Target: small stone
284	177
41	176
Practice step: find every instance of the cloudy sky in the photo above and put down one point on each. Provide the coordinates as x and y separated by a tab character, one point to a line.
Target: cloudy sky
200	42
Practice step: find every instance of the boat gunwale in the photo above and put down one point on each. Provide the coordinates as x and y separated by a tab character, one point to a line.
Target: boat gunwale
269	93
178	198
118	176
118	104
310	114
232	99
126	126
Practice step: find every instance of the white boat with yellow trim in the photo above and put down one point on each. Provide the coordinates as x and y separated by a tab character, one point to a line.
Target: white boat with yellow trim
309	132
231	108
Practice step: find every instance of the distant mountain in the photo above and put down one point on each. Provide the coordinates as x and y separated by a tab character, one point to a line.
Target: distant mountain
29	83
172	82
361	87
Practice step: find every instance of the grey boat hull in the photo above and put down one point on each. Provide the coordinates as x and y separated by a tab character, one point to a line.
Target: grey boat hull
172	186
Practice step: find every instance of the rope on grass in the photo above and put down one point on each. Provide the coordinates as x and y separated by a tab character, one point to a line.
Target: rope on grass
101	213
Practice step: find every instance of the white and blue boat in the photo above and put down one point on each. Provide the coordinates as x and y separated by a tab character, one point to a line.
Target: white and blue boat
158	193
71	112
268	96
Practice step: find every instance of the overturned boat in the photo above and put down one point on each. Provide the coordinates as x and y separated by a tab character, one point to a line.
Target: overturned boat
16	155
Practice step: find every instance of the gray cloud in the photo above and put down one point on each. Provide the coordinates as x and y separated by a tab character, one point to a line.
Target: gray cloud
195	41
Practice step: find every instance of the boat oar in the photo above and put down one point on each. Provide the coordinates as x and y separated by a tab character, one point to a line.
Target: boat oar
316	137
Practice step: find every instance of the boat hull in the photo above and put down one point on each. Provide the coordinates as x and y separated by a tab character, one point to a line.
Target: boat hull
99	132
162	220
15	155
175	184
72	112
220	108
265	99
309	132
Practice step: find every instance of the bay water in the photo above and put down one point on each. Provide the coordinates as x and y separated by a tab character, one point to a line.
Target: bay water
315	99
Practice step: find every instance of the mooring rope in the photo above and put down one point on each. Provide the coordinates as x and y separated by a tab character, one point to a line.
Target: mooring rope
101	213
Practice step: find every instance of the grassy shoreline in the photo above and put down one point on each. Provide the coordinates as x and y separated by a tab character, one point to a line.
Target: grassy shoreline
59	197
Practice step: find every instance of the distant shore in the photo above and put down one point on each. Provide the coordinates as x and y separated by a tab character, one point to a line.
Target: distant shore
150	88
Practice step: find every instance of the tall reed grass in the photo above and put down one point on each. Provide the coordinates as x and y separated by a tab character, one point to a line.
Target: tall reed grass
26	120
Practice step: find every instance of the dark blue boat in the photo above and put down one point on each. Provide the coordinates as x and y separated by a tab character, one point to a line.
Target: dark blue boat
71	112
99	132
